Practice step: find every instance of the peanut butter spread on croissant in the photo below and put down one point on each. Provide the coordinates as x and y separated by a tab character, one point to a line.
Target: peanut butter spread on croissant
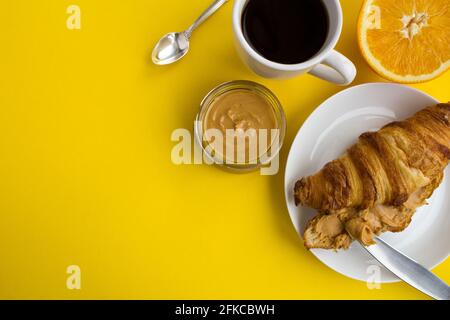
378	184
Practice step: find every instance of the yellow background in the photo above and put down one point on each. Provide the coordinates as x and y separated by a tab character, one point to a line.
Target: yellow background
86	176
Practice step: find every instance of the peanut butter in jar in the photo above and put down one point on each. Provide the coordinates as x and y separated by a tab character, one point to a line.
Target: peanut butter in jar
241	125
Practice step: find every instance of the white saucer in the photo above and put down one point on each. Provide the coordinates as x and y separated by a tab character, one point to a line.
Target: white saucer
327	133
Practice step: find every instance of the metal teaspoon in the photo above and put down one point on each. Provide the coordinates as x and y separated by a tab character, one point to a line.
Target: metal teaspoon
174	46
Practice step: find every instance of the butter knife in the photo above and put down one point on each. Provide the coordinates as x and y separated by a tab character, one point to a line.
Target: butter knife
409	270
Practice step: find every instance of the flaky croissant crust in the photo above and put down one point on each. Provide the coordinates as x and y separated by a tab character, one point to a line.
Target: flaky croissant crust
384	168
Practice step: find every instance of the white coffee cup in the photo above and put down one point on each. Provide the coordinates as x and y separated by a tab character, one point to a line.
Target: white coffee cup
327	64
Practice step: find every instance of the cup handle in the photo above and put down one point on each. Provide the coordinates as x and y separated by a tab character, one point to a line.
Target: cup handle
335	68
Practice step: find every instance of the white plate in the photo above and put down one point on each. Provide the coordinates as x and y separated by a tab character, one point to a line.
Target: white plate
331	129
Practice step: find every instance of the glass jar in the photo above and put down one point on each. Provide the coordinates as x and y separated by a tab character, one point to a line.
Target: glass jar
264	155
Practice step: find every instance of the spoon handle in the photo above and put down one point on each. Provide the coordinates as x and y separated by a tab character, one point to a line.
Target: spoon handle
205	15
409	270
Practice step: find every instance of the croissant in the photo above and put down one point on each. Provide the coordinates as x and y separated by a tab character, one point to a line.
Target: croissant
378	184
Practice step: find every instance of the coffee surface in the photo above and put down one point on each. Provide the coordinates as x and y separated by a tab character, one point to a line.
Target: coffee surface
286	31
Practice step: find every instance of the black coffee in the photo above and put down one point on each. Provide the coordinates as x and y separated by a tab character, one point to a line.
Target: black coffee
286	31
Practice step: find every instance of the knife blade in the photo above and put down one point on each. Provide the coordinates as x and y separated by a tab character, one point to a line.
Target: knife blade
409	270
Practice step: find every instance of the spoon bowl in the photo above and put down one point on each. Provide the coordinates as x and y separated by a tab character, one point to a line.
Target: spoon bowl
171	48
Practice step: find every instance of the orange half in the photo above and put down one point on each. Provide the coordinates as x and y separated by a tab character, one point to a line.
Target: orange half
406	41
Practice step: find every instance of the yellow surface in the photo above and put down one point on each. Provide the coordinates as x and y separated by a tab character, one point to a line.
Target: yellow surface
86	176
